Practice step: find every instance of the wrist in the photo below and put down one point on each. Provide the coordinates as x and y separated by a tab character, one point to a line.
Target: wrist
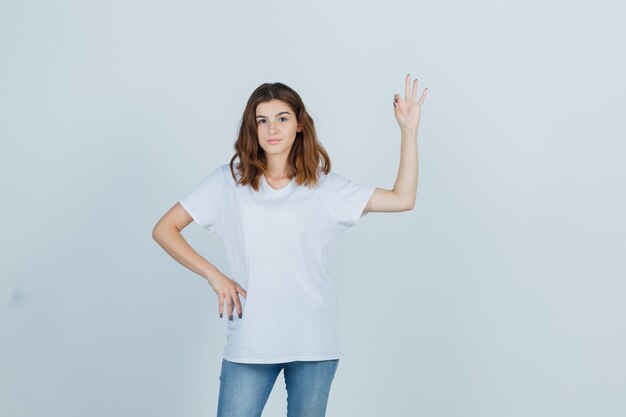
408	132
210	274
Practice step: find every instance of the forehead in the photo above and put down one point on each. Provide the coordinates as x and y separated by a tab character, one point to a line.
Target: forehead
270	108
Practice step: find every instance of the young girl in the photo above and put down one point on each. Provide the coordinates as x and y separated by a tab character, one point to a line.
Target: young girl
279	211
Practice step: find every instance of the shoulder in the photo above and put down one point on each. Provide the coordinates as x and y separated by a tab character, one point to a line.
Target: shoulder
223	171
215	179
216	175
333	179
325	181
228	178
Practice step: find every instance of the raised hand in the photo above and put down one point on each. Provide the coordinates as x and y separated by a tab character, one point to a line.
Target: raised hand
408	111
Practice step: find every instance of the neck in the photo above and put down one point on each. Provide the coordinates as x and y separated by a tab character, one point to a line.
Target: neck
278	169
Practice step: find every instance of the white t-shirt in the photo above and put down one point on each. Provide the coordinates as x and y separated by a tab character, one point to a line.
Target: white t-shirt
280	244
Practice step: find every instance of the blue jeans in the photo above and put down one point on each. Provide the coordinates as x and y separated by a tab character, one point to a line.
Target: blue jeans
245	387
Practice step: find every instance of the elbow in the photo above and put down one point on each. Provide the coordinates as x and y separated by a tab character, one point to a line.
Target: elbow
403	202
161	231
156	233
411	203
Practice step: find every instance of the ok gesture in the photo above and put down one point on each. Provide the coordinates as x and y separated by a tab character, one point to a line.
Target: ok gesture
408	111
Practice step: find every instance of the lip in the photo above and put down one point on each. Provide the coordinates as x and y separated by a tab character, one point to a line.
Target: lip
273	141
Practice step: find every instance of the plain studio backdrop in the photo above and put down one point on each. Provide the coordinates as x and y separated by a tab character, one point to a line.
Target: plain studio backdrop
500	294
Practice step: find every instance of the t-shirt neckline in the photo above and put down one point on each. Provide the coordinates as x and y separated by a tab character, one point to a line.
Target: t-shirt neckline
279	190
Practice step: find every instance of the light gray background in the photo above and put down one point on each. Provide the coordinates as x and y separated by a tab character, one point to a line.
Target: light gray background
501	294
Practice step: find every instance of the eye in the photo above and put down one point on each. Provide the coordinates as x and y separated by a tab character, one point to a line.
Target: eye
260	121
284	118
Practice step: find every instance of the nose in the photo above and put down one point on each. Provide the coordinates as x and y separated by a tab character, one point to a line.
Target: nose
272	126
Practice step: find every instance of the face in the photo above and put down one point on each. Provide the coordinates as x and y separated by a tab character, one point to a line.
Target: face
276	127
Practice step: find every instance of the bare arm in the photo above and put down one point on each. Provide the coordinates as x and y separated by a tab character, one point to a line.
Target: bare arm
167	233
402	196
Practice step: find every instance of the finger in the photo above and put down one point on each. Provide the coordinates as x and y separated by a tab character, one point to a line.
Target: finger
221	304
423	97
243	292
414	92
396	99
407	89
229	307
238	305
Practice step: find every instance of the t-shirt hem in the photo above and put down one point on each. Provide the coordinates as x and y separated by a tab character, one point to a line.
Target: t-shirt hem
191	212
367	194
283	359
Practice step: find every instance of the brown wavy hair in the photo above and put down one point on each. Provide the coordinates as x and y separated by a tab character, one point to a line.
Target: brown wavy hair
307	156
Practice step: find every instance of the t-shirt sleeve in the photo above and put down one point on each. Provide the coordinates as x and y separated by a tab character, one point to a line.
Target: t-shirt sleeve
204	201
347	200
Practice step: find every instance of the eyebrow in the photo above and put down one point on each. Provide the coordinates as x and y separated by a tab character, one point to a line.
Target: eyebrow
277	114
